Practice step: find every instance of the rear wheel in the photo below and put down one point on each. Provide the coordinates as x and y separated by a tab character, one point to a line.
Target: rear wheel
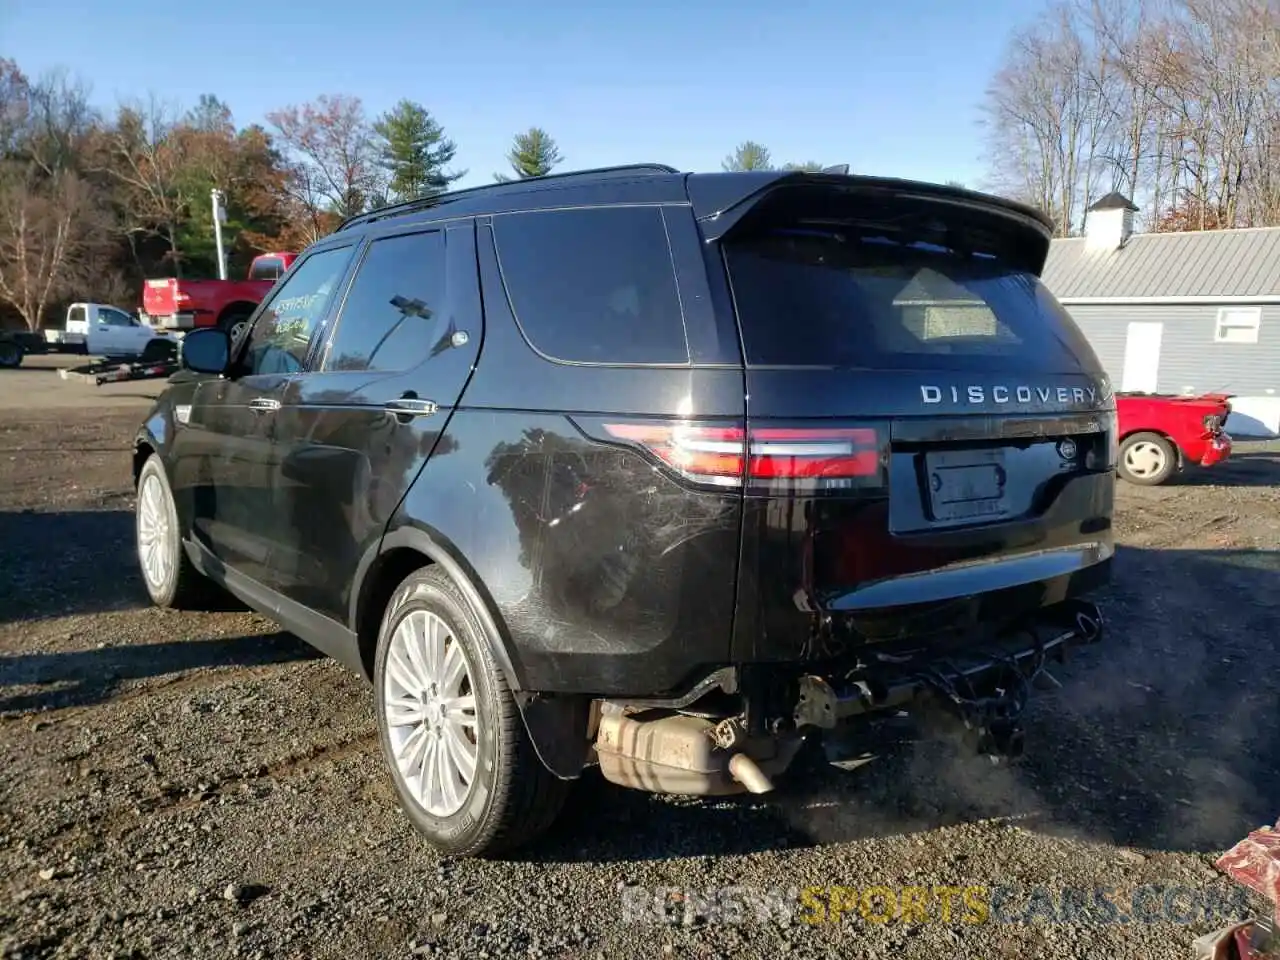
170	578
1147	459
234	322
464	767
10	355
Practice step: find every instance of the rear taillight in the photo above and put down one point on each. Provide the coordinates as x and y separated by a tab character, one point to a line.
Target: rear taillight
1214	422
705	454
1109	449
765	459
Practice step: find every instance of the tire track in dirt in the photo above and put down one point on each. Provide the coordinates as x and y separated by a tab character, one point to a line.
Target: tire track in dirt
212	679
176	798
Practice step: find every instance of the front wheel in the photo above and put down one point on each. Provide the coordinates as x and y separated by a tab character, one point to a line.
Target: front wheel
1147	459
168	574
464	767
10	355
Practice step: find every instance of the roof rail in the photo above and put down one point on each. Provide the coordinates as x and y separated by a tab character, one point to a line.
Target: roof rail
423	203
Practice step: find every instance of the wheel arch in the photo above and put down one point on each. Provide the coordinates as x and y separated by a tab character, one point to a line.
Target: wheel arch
236	308
401	551
144	445
557	726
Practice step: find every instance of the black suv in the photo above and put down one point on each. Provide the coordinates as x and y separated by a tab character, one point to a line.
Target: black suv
666	473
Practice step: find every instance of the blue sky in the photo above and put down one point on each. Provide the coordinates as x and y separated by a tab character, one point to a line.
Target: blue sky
890	88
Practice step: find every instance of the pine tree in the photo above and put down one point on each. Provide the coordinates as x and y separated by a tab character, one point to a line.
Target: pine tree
533	154
749	155
414	151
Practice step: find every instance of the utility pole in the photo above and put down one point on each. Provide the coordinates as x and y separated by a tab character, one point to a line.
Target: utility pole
219	218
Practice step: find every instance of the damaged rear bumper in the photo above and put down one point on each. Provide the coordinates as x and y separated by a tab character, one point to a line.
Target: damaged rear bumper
736	732
984	688
1216	450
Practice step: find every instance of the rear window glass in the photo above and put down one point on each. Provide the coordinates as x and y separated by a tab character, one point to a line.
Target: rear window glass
268	269
816	298
593	285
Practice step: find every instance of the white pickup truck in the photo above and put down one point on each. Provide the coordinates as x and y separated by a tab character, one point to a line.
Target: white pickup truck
101	330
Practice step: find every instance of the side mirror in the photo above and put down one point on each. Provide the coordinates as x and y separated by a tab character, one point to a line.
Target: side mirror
206	351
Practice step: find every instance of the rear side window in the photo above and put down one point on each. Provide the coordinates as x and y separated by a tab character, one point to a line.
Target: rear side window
76	315
826	298
593	285
394	315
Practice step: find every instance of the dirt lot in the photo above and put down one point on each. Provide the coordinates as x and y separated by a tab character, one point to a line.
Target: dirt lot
203	786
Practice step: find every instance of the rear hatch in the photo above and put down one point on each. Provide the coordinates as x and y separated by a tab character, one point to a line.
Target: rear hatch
928	426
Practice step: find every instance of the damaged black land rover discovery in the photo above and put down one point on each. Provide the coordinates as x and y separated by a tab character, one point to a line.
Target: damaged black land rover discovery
666	473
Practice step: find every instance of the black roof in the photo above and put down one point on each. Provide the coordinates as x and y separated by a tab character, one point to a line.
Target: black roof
713	196
1114	201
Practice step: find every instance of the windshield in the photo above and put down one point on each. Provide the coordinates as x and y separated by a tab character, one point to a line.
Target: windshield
820	298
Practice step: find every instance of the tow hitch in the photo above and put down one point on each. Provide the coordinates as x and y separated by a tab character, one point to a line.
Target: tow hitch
984	690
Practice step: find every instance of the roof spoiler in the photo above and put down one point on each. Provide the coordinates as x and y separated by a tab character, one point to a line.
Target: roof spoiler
1017	234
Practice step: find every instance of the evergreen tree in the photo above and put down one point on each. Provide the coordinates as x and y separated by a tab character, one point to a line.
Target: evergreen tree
210	115
533	154
414	151
748	156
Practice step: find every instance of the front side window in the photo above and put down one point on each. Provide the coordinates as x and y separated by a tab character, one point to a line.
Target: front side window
115	318
593	285
281	336
394	315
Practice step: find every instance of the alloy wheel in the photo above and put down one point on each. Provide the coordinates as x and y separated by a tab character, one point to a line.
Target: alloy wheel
154	532
431	713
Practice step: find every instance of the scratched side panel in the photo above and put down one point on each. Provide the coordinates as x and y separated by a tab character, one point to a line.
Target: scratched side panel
610	577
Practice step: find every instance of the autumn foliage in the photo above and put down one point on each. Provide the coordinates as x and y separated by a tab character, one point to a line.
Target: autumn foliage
93	203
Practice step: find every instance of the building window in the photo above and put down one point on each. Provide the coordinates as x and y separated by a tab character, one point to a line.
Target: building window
1238	325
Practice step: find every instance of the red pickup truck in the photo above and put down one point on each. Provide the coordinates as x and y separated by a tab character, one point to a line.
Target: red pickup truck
172	304
1160	434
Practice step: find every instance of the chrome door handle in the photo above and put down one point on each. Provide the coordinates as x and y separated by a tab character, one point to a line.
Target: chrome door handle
409	407
263	404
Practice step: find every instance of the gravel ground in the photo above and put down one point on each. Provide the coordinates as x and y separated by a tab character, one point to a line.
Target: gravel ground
179	785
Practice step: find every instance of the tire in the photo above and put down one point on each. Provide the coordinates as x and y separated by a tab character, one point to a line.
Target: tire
171	580
1147	459
511	798
233	322
11	355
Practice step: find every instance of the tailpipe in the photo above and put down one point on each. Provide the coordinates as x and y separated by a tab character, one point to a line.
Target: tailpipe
748	773
683	754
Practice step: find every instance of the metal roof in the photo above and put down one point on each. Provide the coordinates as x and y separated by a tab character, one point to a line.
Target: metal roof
1205	265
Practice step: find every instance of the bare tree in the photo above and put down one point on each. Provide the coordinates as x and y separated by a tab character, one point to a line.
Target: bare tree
49	228
1046	117
146	160
15	107
1174	102
60	120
